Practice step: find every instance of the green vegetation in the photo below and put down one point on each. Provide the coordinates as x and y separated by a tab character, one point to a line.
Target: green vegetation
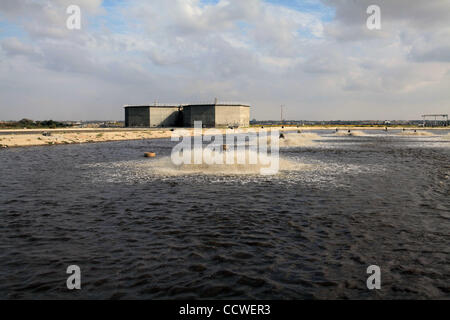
31	124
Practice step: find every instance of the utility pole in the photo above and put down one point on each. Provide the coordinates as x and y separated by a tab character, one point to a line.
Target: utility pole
281	107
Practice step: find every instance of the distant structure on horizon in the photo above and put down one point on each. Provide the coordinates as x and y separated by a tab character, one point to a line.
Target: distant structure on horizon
439	120
211	115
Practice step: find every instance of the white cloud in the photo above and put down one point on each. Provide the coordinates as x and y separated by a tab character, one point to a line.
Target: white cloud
263	53
13	47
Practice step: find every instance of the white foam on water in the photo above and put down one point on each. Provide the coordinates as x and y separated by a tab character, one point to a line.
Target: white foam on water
299	139
292	170
416	133
305	139
165	166
352	133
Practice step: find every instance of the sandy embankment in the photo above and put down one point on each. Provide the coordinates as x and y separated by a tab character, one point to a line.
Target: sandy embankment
74	137
23	138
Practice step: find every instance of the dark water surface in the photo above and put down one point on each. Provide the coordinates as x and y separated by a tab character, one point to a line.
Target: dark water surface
379	199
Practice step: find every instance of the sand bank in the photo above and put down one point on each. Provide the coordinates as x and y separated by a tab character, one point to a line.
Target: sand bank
74	137
31	137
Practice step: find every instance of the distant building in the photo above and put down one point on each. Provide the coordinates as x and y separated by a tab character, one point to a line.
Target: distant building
211	115
217	115
153	116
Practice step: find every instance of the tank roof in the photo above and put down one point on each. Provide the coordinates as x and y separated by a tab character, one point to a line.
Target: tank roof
188	105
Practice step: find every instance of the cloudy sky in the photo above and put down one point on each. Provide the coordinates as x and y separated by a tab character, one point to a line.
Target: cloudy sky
316	57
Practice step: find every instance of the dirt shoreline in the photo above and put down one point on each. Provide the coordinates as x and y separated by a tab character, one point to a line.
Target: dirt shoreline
42	137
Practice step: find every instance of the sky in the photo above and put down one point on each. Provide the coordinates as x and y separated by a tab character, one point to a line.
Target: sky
315	57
